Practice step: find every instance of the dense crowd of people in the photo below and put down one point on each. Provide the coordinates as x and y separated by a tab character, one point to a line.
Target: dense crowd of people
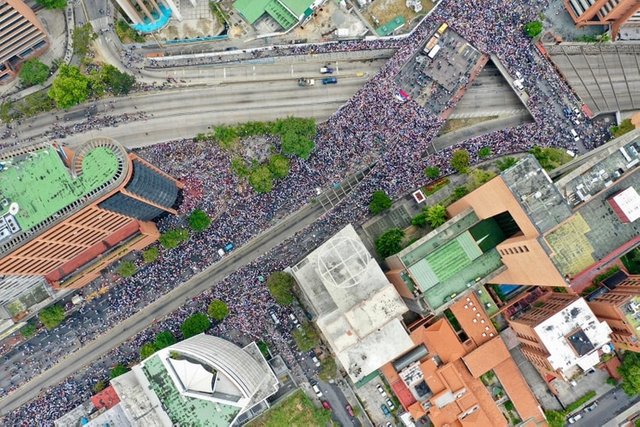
370	130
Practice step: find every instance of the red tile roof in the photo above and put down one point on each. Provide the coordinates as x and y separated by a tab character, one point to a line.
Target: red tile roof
107	398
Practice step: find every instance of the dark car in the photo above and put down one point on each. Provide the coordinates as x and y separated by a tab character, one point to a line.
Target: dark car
329	80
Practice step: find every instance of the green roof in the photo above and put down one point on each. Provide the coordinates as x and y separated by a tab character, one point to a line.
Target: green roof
41	184
284	12
391	26
184	410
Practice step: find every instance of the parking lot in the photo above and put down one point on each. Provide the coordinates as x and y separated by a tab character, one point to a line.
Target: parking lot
373	402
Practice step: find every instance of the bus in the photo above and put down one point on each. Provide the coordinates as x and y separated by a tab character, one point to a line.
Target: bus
443	28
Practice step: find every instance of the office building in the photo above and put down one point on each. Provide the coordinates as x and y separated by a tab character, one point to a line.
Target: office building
560	335
618	303
21	36
355	307
148	16
65	215
463	377
203	381
614	13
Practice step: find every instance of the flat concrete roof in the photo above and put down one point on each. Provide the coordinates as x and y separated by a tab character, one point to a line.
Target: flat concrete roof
357	309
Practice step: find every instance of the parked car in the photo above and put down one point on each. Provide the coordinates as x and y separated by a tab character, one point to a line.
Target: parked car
349	410
326	70
574	418
315	361
591	406
329	81
316	389
381	390
390	404
385	410
326	405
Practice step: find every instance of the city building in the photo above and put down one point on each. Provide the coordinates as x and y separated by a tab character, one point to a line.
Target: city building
604	12
148	16
65	216
279	15
618	303
203	381
355	307
560	335
22	36
464	377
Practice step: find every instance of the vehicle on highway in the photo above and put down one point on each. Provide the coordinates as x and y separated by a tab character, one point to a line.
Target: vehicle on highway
326	70
303	82
385	410
316	389
326	405
329	80
390	404
574	418
349	410
381	390
315	361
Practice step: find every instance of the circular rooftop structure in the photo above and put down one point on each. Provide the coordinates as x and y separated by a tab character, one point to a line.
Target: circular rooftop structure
342	262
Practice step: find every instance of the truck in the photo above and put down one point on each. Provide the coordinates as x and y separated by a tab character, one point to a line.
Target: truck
304	82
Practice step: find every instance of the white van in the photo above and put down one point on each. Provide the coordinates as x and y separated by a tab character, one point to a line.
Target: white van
574	134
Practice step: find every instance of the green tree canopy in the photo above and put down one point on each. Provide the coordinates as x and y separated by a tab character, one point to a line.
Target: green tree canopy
195	324
51	316
127	269
420	220
28	330
484	152
379	202
81	39
199	220
115	81
70	87
174	238
296	144
630	372
280	285
147	350
218	310
33	72
279	166
261	179
306	337
164	339
533	28
432	172
118	370
151	254
460	161
390	242
460	192
99	386
328	369
549	157
478	177
52	4
506	162
436	215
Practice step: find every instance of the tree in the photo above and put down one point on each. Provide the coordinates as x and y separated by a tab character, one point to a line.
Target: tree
33	72
52	4
460	161
52	316
432	172
147	350
555	418
99	386
478	177
295	144
261	179
240	167
81	39
150	255
420	220
379	202
218	310
390	242
115	81
28	330
533	28
118	370
630	372
174	238
70	87
279	166
199	220
306	337
280	285
436	215
506	162
328	369
484	152
195	324
549	157
127	269
460	192
164	339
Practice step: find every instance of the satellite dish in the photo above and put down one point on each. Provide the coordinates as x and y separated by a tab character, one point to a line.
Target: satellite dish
14	209
606	349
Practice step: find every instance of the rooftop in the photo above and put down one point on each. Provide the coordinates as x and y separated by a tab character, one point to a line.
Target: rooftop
285	12
36	186
357	309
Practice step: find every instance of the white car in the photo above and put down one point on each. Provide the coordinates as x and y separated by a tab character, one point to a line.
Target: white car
317	390
575	418
315	361
381	390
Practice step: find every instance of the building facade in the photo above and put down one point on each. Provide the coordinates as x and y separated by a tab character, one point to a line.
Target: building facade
147	16
21	36
604	12
65	215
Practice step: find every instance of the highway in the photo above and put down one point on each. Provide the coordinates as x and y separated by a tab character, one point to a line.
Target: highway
239	94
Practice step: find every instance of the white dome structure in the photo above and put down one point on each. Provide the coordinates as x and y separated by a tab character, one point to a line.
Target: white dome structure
342	262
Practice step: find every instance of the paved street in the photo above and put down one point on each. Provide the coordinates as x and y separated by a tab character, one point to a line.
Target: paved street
609	406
